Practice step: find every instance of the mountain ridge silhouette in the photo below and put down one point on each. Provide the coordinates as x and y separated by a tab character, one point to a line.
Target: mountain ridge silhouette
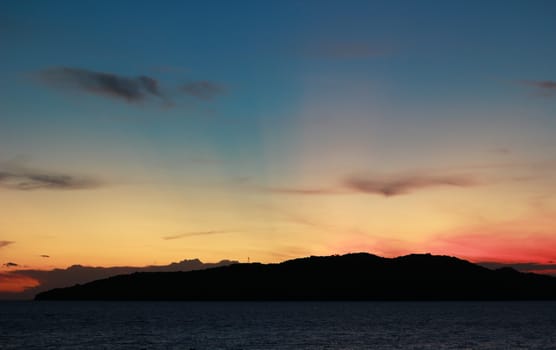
354	276
81	274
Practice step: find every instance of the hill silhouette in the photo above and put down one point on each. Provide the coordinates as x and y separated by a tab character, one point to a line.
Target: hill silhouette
359	276
59	278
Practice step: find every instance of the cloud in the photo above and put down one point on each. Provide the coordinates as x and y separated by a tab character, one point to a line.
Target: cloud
44	256
14	176
193	234
403	184
544	87
130	89
5	243
39	180
13	283
300	191
10	264
502	150
388	186
203	89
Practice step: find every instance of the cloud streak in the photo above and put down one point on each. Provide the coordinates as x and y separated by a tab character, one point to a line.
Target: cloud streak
300	191
13	283
15	176
35	180
203	89
5	243
387	186
130	89
404	184
194	234
544	87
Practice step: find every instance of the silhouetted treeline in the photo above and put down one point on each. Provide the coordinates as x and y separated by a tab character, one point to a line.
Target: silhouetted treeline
349	277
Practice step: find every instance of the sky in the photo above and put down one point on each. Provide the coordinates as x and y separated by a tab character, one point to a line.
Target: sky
138	133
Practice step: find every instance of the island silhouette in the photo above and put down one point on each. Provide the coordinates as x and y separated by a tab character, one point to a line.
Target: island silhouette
356	276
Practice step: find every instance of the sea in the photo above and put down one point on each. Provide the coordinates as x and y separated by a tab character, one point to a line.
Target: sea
277	325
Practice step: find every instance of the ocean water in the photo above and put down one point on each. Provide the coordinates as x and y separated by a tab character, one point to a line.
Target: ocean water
277	325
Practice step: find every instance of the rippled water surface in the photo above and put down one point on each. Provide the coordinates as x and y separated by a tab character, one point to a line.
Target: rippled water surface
277	325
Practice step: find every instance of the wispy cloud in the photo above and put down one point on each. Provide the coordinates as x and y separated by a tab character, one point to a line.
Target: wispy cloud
543	87
130	89
203	89
196	233
17	177
10	264
299	190
388	186
403	184
39	180
13	283
5	243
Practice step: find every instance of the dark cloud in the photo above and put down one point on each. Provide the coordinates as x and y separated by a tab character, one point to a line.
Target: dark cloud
5	243
44	256
10	264
130	89
502	150
403	184
34	180
203	89
544	87
387	186
193	234
15	175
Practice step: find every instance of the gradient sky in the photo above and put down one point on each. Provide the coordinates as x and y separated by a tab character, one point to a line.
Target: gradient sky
136	133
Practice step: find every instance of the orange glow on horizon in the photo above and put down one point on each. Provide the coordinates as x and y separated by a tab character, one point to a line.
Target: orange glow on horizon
14	283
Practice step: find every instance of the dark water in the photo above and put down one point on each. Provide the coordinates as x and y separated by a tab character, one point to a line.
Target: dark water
277	325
